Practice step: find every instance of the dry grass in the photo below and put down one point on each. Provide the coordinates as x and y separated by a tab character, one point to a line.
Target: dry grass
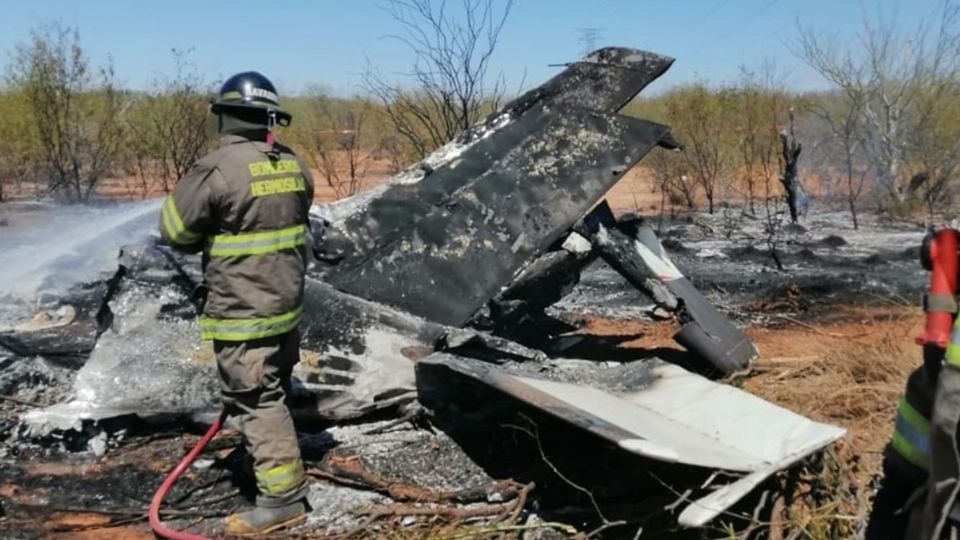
845	366
854	381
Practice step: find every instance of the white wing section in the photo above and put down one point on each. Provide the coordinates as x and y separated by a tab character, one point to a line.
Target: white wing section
679	418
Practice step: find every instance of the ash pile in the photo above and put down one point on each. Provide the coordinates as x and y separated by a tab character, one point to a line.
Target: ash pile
433	384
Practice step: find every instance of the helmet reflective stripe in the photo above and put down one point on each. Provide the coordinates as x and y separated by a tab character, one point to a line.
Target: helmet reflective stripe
260	92
250	90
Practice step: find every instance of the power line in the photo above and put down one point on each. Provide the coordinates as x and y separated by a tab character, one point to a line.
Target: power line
589	36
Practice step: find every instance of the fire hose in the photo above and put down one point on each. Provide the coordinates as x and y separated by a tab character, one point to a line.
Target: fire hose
158	527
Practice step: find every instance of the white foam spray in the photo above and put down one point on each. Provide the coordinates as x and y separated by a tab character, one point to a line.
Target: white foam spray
45	244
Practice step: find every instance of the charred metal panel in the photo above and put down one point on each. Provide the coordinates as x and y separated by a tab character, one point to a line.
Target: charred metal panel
442	239
632	249
708	332
334	321
382	222
360	353
464	248
616	249
487	347
67	331
541	284
604	80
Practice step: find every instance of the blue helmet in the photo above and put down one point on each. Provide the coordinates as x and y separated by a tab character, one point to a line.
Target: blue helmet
250	91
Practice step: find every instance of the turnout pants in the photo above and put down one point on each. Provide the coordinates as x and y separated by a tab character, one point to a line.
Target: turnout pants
255	380
938	519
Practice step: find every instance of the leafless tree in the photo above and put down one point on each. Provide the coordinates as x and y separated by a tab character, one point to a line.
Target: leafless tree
774	212
933	151
750	139
890	70
339	143
674	184
842	113
16	168
453	43
762	100
76	109
390	148
173	126
17	153
698	116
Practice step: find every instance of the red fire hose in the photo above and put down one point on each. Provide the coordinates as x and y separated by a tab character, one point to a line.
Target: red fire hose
158	527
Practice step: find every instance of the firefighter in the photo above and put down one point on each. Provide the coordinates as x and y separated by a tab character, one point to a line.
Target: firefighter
918	496
245	205
938	517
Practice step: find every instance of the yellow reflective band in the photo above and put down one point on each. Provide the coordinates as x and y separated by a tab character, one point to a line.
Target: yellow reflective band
247	329
952	355
257	243
906	449
173	224
281	478
913	417
911	435
287	184
232	95
280	166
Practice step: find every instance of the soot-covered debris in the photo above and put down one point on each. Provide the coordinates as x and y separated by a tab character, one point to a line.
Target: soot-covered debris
467	259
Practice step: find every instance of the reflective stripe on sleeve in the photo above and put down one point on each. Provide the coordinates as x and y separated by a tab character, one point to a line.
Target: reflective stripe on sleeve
246	329
280	479
173	225
911	435
953	348
257	243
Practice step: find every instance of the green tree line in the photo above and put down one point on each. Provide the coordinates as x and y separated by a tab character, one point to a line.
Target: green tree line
72	131
886	135
78	133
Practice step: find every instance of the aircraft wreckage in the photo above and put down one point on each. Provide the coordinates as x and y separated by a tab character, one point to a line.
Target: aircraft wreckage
421	294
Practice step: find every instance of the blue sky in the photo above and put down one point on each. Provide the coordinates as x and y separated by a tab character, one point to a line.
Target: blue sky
328	42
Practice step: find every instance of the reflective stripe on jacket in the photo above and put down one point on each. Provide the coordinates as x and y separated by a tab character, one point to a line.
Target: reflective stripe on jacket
911	432
911	435
246	209
952	355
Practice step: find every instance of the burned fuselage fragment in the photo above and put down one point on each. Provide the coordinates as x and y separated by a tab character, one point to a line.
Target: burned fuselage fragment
443	246
631	248
503	214
470	228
